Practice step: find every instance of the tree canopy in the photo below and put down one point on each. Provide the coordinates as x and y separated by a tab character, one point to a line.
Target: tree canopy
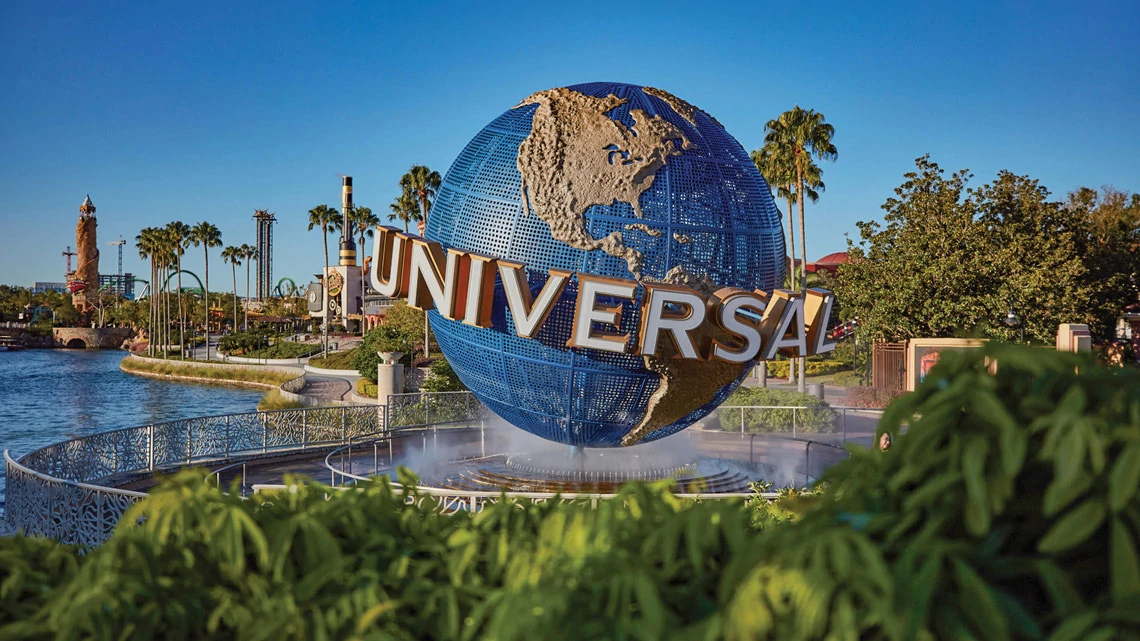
949	260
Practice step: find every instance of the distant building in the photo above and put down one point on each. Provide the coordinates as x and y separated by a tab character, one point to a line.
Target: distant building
40	287
121	284
265	220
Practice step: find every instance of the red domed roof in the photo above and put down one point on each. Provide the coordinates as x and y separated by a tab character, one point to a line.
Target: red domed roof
838	258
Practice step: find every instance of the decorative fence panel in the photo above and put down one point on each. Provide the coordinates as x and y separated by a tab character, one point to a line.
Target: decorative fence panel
435	408
54	491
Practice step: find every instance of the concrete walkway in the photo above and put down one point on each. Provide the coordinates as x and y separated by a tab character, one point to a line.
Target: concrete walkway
319	386
329	388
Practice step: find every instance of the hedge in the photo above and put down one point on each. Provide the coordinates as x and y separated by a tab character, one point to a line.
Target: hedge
779	369
1008	509
819	417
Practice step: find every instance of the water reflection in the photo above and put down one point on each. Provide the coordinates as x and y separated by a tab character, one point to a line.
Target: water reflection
52	395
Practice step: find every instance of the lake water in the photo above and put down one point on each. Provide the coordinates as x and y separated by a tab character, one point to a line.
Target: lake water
50	395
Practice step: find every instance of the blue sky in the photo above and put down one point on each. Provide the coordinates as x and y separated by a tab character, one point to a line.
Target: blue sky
208	110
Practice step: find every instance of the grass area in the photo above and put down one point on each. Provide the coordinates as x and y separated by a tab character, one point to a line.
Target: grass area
284	349
336	360
218	374
273	400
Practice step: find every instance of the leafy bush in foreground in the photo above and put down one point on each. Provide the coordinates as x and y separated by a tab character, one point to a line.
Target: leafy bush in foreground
1007	510
299	566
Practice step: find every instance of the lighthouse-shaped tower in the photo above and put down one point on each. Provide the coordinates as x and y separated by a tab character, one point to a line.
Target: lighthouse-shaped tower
85	279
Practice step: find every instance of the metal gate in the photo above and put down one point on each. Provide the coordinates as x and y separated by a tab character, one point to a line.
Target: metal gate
888	366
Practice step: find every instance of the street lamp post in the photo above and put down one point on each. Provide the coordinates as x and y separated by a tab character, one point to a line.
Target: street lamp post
1011	320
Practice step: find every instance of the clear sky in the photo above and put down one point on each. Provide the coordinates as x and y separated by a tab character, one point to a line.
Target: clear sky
207	110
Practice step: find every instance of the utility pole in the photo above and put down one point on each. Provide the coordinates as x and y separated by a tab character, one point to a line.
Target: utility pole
68	253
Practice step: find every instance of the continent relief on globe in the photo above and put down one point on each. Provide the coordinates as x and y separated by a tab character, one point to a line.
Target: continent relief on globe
576	157
563	175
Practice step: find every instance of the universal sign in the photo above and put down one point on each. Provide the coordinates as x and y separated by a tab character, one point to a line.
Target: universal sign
732	325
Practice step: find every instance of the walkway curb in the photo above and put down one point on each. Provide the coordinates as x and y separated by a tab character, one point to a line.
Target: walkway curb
331	372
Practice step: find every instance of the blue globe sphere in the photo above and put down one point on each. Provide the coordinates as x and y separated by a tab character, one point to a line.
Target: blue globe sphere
621	181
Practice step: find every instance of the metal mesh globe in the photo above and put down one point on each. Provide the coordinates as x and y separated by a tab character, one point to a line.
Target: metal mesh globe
706	213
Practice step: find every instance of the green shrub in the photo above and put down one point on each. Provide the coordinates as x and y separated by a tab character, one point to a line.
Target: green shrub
442	378
380	339
779	369
372	564
847	379
819	417
1008	509
365	387
31	570
284	349
241	343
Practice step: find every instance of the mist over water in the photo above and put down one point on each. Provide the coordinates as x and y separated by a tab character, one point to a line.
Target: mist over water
436	458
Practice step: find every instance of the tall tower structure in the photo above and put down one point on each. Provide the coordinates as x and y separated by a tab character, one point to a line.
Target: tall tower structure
85	278
341	284
347	246
265	220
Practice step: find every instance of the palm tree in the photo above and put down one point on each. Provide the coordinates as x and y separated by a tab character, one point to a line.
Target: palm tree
207	235
779	175
364	221
165	239
180	237
233	256
146	243
802	135
799	135
779	172
405	208
249	253
423	184
326	218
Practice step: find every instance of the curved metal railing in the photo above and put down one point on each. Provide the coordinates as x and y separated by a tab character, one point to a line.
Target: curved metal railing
67	491
63	490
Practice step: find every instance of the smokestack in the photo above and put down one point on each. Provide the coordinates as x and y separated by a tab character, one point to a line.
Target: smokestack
347	246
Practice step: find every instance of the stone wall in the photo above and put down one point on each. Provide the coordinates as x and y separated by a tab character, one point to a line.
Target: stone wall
88	338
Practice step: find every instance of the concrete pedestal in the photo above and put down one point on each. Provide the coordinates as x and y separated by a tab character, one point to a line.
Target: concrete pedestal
389	380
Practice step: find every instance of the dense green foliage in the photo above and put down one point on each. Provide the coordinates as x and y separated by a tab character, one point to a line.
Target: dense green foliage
284	349
819	417
1007	510
951	261
240	343
779	369
442	378
14	301
385	338
410	320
